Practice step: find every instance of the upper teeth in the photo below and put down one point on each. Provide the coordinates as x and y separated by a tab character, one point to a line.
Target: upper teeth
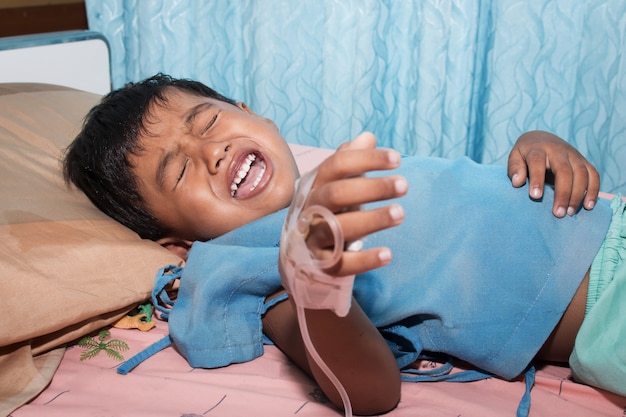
243	171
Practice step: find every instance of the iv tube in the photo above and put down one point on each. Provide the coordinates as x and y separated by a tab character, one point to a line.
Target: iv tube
304	331
304	220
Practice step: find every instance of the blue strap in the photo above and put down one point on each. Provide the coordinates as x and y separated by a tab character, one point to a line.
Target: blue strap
442	373
138	358
162	302
405	345
266	306
407	348
524	406
271	303
160	297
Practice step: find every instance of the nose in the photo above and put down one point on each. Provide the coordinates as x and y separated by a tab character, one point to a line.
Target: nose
214	154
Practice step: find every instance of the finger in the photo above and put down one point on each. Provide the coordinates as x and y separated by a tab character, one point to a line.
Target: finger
355	225
517	169
359	224
365	140
536	164
563	182
580	182
353	162
593	187
353	263
350	192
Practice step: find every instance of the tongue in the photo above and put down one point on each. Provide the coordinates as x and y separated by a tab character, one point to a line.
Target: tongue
245	187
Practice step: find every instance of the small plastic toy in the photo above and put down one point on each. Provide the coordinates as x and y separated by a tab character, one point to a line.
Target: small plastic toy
93	347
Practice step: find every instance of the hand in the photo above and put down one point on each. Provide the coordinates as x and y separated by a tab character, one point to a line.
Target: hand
341	187
576	181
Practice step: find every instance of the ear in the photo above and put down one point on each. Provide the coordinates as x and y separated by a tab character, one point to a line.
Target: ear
177	246
245	108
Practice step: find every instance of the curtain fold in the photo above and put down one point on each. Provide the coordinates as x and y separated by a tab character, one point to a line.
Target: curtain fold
433	77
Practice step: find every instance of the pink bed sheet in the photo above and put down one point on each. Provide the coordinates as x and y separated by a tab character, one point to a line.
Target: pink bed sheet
165	385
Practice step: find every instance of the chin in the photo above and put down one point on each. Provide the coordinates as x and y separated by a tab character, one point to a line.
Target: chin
282	198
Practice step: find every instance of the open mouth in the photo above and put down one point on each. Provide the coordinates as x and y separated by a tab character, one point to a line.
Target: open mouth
248	176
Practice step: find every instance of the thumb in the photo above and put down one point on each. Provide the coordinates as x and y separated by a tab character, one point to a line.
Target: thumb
365	140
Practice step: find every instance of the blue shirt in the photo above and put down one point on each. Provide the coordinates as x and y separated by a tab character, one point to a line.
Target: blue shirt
479	271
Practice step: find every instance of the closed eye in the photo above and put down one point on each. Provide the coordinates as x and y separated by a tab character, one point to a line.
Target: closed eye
182	172
210	124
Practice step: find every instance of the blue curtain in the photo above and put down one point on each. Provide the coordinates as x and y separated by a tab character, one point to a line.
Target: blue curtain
429	77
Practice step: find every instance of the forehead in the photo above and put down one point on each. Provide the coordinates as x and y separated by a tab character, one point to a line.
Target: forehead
175	101
173	108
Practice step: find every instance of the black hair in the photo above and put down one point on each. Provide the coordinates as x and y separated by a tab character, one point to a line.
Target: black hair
97	160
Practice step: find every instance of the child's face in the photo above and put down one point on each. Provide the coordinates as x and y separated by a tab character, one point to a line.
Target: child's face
208	167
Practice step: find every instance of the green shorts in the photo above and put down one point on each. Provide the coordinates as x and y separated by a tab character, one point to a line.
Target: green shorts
599	356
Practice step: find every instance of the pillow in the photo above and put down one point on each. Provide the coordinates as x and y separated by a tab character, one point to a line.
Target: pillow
67	269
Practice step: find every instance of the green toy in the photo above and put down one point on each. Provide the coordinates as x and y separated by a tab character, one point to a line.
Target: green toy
94	347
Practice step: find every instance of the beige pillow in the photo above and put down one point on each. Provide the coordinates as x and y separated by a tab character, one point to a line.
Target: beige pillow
67	269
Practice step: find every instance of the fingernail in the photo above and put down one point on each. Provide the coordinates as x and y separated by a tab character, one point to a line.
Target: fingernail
591	204
401	186
384	255
560	212
394	157
535	192
396	212
571	211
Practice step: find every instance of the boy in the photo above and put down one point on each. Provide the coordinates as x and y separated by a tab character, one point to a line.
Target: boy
179	164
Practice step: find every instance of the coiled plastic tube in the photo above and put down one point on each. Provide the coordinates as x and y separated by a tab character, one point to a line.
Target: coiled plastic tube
303	277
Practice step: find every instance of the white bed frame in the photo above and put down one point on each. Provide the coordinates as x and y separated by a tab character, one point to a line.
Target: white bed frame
79	59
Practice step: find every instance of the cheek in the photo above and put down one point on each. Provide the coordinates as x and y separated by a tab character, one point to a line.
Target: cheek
212	219
281	194
217	219
284	197
223	223
288	176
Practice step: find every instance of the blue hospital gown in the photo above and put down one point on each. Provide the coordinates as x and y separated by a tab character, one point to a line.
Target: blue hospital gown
479	272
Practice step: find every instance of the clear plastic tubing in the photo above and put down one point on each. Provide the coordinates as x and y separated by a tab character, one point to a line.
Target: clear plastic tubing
303	277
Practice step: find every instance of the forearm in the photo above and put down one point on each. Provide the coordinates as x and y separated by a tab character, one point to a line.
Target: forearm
350	346
360	358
